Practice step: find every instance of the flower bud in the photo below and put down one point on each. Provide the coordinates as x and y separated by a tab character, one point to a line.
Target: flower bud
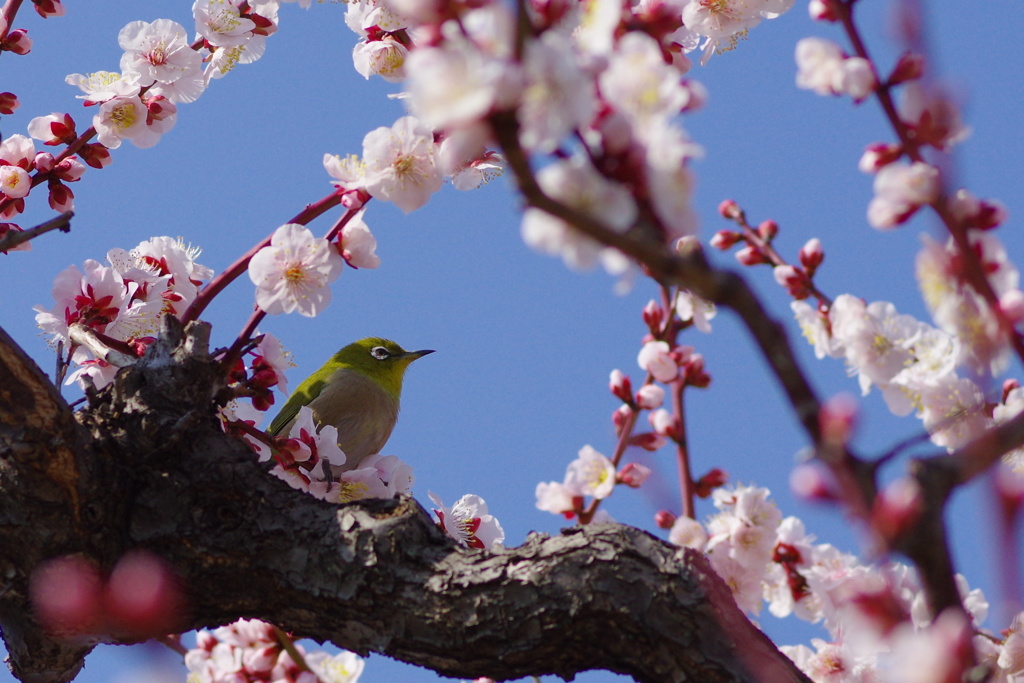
794	280
142	598
8	103
687	532
49	8
768	230
96	155
896	509
711	480
620	416
910	67
620	386
653	315
650	396
810	481
811	255
66	594
730	209
1011	304
17	41
837	418
664	423
649	441
61	198
633	474
823	10
1008	386
725	239
663	519
43	162
877	155
750	256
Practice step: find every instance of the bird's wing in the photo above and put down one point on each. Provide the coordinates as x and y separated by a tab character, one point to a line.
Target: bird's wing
303	394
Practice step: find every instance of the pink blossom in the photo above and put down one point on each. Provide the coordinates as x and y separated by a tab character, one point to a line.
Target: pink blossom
158	52
400	164
293	273
654	357
357	244
469	523
590	474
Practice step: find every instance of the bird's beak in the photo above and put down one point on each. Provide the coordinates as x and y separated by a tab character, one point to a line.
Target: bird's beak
413	355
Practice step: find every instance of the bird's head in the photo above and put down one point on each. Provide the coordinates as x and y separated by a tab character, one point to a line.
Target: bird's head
382	360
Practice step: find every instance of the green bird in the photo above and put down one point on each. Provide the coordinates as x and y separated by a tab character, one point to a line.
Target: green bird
357	390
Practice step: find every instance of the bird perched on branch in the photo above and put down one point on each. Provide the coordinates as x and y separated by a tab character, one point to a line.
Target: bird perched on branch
357	390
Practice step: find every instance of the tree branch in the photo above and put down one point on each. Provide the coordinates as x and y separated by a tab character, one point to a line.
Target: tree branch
145	465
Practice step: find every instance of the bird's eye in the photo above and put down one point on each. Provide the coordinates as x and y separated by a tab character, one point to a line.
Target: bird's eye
380	353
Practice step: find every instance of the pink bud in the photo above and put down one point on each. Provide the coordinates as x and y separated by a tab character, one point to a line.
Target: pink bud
896	509
43	162
694	374
837	418
750	256
650	396
877	155
96	155
633	474
649	441
160	108
725	239
49	8
698	95
8	103
823	10
909	68
653	315
730	209
1008	386
768	230
142	597
66	595
794	280
17	41
1011	304
620	386
711	480
664	423
61	198
810	481
663	519
811	255
620	416
1010	487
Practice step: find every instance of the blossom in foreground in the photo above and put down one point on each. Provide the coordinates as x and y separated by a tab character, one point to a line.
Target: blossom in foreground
293	273
575	183
249	650
157	51
468	522
400	164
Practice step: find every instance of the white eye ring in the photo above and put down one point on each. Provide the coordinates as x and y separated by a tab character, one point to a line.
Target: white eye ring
380	353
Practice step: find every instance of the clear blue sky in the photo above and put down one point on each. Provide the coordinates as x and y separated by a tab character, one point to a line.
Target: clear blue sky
524	346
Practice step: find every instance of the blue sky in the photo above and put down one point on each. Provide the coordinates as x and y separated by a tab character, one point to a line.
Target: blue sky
518	384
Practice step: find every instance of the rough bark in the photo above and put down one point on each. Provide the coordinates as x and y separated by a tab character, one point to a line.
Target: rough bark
145	465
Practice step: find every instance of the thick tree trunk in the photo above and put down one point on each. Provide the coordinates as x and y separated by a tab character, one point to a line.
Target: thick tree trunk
145	465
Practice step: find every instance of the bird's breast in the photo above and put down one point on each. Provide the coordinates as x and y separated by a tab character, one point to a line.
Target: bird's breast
363	412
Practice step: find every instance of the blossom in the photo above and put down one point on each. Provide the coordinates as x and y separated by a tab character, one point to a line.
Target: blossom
292	273
654	357
15	182
689	306
357	244
556	498
900	189
400	164
639	83
157	52
722	22
221	22
574	182
344	667
124	117
468	522
590	474
54	129
558	97
101	86
384	57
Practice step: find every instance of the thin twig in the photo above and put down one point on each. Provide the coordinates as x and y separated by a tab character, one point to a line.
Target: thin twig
14	238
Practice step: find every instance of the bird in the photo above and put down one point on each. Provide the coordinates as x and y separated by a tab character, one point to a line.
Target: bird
357	390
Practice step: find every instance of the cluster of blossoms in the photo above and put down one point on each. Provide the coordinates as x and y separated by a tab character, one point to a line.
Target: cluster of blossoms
105	315
159	69
600	83
593	475
250	651
875	615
